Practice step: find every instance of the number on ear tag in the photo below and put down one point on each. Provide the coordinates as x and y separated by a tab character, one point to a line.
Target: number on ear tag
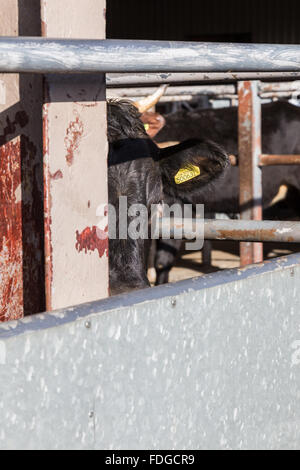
187	174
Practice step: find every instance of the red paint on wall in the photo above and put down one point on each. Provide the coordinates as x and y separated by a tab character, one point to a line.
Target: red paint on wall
11	265
58	175
72	139
92	239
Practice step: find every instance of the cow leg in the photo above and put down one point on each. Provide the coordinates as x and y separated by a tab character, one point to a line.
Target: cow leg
165	259
206	253
207	248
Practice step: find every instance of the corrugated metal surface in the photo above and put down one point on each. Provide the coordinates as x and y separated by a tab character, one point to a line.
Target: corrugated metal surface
272	21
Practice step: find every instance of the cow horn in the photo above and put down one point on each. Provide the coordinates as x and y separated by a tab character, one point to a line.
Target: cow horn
281	195
146	103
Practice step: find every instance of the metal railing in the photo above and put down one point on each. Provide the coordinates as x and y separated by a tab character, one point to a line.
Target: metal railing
235	230
266	90
41	55
138	79
211	61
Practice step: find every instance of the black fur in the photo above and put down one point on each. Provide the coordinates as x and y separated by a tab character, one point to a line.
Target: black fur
280	135
208	156
143	173
124	121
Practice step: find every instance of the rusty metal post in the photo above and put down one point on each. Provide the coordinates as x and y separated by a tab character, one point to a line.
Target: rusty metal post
21	195
250	173
75	164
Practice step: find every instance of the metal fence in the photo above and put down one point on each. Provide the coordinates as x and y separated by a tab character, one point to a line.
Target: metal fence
66	56
189	61
207	363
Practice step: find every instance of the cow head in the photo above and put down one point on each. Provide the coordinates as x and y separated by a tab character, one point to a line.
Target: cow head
143	173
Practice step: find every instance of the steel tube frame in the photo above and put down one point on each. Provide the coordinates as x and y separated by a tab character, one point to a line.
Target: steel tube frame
43	55
174	91
265	90
237	230
271	160
275	160
135	79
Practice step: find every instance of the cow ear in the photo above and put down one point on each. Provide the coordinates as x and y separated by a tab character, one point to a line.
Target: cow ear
191	165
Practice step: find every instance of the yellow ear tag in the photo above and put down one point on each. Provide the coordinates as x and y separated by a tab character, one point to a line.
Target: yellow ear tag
147	127
187	174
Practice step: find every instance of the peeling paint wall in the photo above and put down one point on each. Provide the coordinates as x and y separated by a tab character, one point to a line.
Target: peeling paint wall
11	268
75	164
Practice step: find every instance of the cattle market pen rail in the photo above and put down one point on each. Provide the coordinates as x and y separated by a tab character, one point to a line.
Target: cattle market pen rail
250	139
206	363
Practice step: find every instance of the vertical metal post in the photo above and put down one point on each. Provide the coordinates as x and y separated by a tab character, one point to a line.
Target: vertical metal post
250	173
75	164
21	204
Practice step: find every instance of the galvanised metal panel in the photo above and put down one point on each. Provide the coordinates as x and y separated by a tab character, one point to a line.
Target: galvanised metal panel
209	363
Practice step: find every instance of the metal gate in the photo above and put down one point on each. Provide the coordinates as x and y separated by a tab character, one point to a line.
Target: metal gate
211	363
206	363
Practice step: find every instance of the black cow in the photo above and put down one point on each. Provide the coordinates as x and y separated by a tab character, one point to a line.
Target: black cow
280	135
143	173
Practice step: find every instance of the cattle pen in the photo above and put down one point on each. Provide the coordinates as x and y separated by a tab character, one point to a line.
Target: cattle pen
208	363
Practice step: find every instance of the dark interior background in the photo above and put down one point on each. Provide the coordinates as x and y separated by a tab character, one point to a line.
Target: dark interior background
261	21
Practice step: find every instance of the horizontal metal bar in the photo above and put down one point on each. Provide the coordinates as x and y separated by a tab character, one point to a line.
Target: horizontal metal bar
238	230
279	94
173	91
42	55
280	87
273	160
208	89
125	79
179	98
186	92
